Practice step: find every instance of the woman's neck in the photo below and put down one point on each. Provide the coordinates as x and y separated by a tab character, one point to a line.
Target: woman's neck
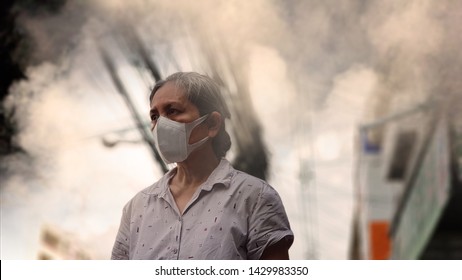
195	170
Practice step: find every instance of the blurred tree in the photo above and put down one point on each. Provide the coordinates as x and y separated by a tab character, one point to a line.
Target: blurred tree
15	53
10	71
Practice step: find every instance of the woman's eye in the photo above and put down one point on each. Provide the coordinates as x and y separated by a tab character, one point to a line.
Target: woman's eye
172	111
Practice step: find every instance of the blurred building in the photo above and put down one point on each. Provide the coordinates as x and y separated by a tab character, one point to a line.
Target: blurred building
409	191
56	244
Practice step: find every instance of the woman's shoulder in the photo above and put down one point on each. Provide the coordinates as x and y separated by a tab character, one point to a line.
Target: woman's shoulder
250	183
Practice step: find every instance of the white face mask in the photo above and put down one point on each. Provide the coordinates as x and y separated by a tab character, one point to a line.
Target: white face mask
171	139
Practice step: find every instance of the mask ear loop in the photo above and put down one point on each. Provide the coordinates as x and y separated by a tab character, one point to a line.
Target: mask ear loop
193	124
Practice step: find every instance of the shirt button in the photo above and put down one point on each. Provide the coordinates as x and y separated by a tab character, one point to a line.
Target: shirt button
175	251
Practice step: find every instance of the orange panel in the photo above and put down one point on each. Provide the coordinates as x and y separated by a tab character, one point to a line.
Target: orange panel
379	240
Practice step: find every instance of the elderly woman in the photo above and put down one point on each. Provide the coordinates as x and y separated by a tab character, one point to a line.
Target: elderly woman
203	208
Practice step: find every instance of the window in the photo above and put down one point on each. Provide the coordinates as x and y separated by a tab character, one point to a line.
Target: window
402	155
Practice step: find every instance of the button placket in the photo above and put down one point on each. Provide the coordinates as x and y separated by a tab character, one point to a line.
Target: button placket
176	250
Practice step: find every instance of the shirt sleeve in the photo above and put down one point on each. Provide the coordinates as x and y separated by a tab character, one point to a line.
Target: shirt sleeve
268	223
120	251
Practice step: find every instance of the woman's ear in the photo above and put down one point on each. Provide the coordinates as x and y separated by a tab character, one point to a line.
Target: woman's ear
214	123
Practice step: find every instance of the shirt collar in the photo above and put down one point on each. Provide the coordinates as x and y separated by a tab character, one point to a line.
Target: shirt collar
221	175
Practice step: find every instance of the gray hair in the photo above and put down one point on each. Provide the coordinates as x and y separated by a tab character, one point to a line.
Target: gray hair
205	94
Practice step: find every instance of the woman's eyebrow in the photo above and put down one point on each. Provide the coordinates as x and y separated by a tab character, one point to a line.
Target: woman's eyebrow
167	105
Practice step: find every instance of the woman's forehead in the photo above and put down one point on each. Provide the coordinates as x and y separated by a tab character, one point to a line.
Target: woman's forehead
169	91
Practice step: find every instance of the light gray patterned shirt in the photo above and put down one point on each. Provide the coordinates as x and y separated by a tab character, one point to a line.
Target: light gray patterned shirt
231	216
